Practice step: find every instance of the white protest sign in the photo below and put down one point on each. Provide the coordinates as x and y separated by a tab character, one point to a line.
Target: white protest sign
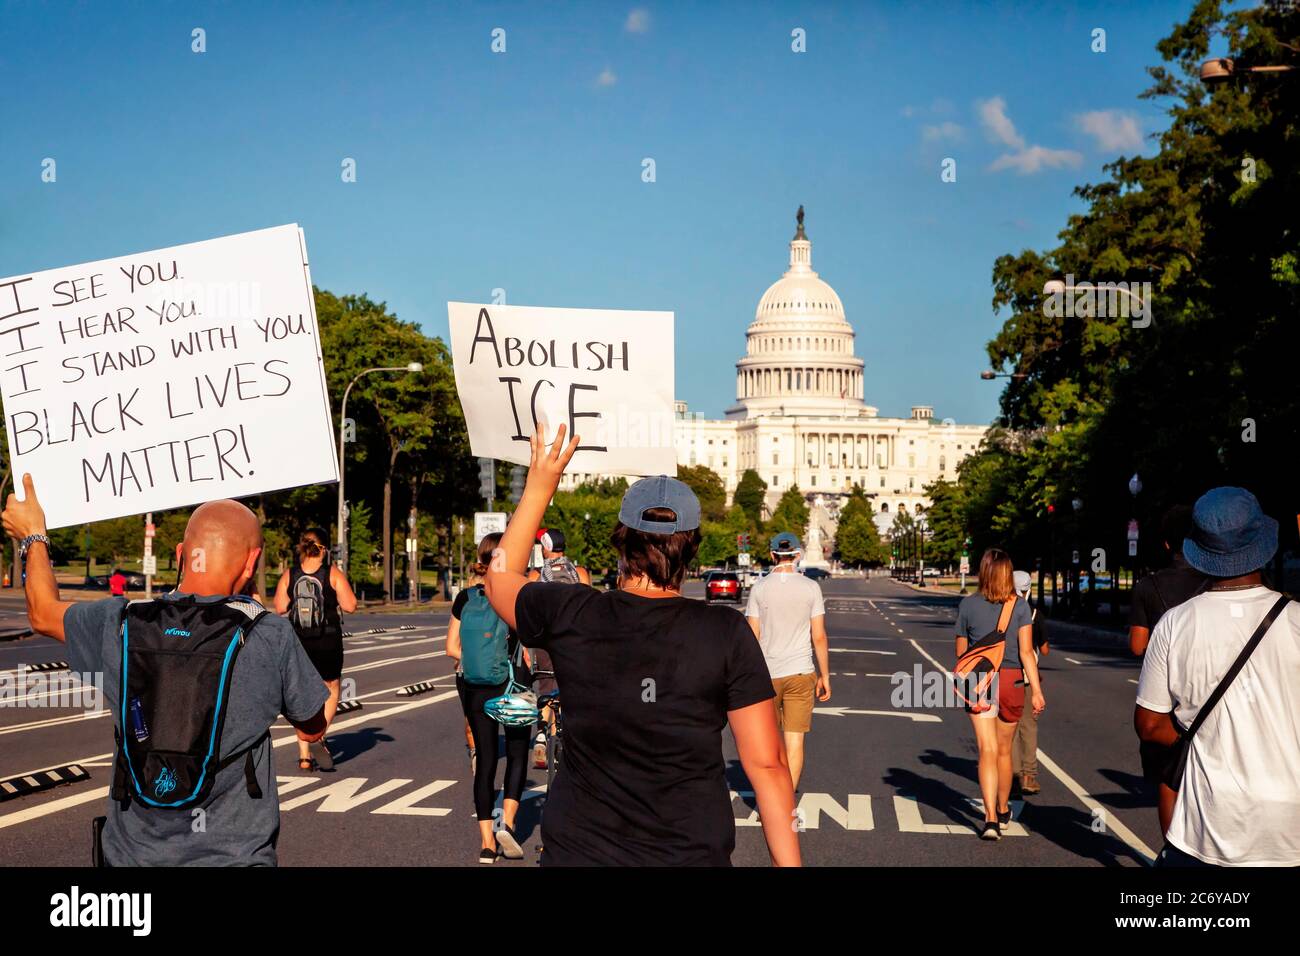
167	378
605	375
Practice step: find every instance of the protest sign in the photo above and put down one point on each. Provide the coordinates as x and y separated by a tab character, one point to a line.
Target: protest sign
605	375
167	378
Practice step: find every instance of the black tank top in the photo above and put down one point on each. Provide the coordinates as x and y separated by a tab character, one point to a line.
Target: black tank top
333	623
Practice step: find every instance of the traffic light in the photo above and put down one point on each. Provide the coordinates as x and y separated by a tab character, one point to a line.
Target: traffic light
517	475
487	478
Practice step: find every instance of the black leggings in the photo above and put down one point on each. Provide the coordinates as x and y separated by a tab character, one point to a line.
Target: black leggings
485	730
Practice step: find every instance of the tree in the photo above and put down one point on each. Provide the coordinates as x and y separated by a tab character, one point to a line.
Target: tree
857	541
708	487
946	521
1184	394
791	514
750	494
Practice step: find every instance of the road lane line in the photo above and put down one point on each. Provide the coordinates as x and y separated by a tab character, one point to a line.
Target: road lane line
1073	661
54	721
861	650
1109	817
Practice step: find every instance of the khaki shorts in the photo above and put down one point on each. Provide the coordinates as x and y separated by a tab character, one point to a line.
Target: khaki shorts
794	701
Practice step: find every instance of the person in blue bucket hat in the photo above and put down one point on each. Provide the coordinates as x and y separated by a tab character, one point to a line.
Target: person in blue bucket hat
1219	686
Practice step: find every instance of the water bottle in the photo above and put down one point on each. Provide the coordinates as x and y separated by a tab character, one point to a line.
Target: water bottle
138	726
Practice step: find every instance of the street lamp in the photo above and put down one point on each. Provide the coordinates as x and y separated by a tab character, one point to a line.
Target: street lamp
343	421
989	375
920	559
1221	69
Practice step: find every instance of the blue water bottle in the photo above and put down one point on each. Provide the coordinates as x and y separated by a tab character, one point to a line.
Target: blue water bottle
138	726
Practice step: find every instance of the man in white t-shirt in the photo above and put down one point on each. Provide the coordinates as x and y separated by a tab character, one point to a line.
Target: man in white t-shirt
1239	800
788	617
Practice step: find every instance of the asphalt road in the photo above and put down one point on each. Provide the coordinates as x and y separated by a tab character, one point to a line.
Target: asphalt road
883	786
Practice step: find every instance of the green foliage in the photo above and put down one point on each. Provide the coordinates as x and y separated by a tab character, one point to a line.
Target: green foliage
857	541
708	487
587	516
791	514
362	544
750	494
1173	400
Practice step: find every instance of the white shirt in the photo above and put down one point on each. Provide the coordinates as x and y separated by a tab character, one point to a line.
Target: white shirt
785	602
1239	803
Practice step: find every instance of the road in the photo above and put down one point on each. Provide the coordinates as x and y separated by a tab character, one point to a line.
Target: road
883	786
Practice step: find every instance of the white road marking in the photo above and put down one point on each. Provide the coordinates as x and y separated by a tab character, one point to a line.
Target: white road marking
54	721
860	650
910	715
84	761
55	806
1112	820
1132	681
1073	661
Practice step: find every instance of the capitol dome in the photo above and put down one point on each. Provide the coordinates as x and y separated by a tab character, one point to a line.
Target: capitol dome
799	357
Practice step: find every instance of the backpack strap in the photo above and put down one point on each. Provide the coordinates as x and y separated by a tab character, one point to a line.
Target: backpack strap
250	769
1004	618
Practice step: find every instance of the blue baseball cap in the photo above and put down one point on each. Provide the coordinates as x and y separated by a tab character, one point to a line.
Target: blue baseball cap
785	543
660	492
1231	535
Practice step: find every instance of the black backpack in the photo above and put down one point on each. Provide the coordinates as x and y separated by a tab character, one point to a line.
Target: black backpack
307	605
178	659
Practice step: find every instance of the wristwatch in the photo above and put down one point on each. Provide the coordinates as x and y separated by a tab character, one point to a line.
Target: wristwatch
27	543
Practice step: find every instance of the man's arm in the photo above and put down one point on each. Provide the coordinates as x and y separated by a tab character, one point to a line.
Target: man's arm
756	626
821	649
1138	638
312	730
22	518
1154	727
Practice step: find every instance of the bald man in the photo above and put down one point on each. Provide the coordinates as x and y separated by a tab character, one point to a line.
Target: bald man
237	823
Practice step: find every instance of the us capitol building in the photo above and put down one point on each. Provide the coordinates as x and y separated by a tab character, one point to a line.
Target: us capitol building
800	418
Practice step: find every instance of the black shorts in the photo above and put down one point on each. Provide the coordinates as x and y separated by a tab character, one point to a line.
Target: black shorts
326	654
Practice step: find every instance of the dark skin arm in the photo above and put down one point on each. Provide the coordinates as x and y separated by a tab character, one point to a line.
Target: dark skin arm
1153	727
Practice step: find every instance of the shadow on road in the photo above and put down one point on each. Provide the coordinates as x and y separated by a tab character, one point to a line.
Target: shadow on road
345	747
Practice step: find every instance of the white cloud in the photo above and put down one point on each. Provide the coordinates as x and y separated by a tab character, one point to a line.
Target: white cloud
993	114
638	21
1023	158
946	130
1113	130
1032	159
606	78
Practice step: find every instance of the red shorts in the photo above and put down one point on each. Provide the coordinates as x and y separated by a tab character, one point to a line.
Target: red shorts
1011	694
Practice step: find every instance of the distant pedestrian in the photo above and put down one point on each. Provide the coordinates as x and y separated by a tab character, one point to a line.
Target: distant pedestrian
312	593
787	615
482	646
1219	682
1024	751
1153	597
117	583
995	621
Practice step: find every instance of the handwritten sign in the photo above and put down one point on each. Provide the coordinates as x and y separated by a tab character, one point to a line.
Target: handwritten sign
605	375
167	378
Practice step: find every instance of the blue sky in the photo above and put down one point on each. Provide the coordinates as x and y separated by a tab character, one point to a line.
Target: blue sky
522	170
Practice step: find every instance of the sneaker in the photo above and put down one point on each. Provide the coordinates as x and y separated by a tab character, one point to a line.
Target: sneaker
1029	784
539	756
322	755
1004	818
510	847
487	856
990	831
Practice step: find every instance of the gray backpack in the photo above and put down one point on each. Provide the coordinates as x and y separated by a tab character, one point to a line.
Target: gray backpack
307	605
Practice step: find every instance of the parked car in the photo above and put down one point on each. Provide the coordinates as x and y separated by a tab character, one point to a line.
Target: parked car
816	574
723	585
134	579
932	572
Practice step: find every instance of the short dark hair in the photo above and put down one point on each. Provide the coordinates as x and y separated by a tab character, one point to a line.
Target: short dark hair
663	558
1175	526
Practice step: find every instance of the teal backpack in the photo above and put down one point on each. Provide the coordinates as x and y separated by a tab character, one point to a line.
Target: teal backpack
484	654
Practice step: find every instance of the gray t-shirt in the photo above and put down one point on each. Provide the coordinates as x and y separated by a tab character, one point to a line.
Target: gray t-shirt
977	616
785	603
272	676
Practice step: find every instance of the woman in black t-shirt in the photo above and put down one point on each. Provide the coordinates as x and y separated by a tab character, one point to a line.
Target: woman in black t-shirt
649	680
324	642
